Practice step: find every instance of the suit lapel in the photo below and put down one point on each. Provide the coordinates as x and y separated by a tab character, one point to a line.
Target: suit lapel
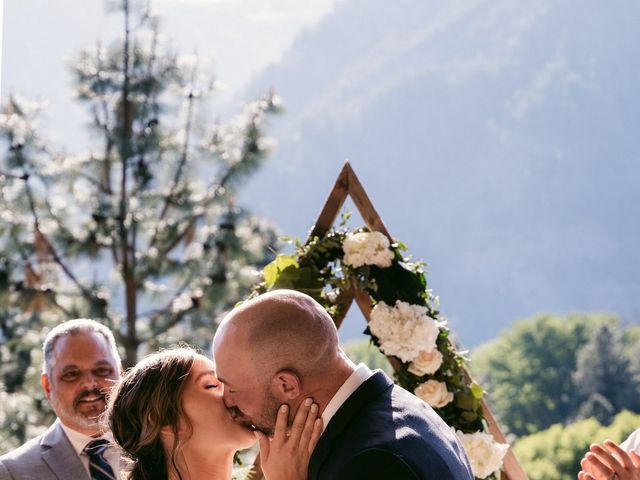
59	454
365	393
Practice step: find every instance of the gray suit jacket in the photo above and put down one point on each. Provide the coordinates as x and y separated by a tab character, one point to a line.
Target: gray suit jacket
47	457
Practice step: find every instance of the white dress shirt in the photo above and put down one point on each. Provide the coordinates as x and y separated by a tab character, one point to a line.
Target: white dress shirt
357	378
79	441
632	443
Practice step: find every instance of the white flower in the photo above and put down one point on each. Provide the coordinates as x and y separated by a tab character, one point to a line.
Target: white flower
367	248
267	143
153	287
181	303
11	192
404	330
187	61
7	216
58	202
485	454
435	393
64	301
194	251
426	363
332	296
82	191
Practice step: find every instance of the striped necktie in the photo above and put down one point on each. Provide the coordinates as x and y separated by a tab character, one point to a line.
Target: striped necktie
99	468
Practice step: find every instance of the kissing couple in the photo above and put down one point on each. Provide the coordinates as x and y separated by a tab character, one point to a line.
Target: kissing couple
279	374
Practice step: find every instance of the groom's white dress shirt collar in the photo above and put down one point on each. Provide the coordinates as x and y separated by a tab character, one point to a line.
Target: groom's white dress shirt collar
632	443
79	440
357	378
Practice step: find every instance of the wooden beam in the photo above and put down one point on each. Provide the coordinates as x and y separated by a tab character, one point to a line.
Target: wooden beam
344	304
364	205
333	204
510	465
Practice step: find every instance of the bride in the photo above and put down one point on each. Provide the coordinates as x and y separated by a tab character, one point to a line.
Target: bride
168	416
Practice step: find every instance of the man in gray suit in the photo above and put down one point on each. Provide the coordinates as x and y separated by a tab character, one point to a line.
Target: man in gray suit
81	364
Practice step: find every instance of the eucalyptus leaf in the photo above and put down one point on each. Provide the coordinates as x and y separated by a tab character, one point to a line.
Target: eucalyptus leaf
284	261
469	416
476	390
270	273
464	401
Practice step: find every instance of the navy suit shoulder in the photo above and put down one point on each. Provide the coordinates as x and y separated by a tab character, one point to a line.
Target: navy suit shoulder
381	422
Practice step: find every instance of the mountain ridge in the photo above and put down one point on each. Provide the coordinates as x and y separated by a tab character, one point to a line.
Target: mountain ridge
495	138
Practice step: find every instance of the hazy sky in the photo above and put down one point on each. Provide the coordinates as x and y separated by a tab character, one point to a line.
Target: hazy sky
1	22
240	36
497	138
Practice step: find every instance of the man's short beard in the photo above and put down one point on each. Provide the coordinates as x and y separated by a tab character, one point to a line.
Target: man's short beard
265	421
80	419
268	414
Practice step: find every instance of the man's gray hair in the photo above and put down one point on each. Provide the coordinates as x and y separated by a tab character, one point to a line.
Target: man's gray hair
73	327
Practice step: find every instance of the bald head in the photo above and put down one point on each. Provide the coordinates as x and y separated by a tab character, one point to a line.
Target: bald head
280	347
282	329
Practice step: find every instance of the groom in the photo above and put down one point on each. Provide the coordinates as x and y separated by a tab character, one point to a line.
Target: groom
282	347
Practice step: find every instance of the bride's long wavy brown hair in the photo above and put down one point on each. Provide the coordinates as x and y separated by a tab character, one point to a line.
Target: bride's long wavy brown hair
149	397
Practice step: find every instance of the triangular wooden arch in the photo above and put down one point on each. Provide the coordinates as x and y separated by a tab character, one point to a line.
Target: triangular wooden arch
347	183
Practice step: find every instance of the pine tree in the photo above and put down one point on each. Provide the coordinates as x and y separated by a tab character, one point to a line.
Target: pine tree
603	377
141	232
634	371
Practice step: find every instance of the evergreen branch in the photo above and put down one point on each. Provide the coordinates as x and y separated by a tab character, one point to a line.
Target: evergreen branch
175	319
66	312
144	120
105	182
106	166
141	151
50	247
21	252
216	192
103	189
13	175
183	160
151	97
178	238
67	293
163	312
59	222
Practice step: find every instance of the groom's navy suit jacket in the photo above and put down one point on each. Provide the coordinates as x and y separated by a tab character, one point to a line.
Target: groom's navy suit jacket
384	432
